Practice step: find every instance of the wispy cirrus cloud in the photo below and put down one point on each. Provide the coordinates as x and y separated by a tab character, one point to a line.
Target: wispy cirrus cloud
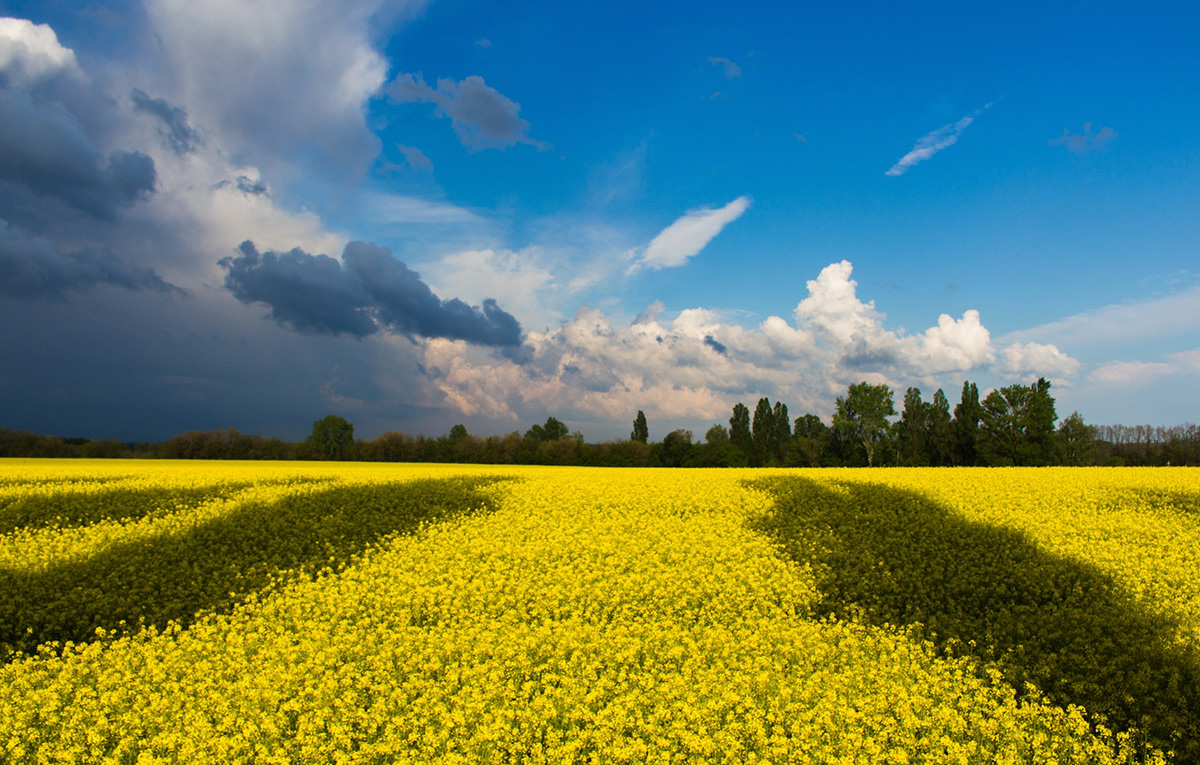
932	143
1122	323
679	241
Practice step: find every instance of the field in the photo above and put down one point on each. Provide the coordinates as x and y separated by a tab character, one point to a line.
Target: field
158	612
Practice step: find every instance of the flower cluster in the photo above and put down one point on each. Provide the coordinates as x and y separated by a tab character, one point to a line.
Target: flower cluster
586	615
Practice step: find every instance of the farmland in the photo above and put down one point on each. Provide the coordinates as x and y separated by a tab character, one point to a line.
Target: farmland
318	612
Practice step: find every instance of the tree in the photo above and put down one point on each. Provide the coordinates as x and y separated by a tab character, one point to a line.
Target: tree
810	440
781	432
911	430
458	433
861	417
939	433
331	437
641	431
762	433
739	430
966	426
717	450
1017	425
676	448
1076	441
551	431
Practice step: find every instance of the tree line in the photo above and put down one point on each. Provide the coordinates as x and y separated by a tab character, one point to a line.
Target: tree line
1014	425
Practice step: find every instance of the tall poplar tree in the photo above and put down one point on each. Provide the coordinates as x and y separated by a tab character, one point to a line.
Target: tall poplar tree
739	430
641	431
762	432
939	431
781	431
966	426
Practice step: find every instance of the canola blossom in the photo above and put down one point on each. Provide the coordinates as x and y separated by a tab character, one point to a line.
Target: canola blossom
316	613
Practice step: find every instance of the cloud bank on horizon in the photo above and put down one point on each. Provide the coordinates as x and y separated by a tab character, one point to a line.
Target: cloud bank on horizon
510	242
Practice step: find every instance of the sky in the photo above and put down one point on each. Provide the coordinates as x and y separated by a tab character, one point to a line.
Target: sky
255	213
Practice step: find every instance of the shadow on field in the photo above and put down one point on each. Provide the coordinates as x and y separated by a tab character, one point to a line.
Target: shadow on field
213	566
69	509
888	556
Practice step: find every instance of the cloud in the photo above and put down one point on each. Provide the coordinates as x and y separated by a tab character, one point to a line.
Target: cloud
931	144
368	290
688	235
45	150
1139	373
30	53
695	366
483	43
179	135
415	158
482	117
399	208
1121	324
731	69
276	78
1032	360
1082	143
33	268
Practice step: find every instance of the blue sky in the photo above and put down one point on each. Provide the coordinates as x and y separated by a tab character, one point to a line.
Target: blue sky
488	214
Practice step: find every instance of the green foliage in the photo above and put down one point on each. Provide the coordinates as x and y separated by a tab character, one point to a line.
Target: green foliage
939	431
332	437
911	430
739	430
641	430
676	449
1076	441
966	426
861	418
762	433
1017	425
553	430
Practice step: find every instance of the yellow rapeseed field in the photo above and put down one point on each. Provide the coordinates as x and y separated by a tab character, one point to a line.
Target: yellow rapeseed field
160	612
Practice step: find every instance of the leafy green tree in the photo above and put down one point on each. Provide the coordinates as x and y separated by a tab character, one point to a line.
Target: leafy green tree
641	430
809	443
718	451
1017	425
939	431
911	430
739	430
458	432
1076	441
966	426
676	448
762	433
331	437
861	418
553	430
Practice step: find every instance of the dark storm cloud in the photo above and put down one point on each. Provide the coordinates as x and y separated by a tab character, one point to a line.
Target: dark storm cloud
369	290
32	267
179	135
44	148
309	293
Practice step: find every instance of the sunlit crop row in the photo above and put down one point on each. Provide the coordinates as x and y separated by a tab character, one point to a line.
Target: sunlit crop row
567	615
